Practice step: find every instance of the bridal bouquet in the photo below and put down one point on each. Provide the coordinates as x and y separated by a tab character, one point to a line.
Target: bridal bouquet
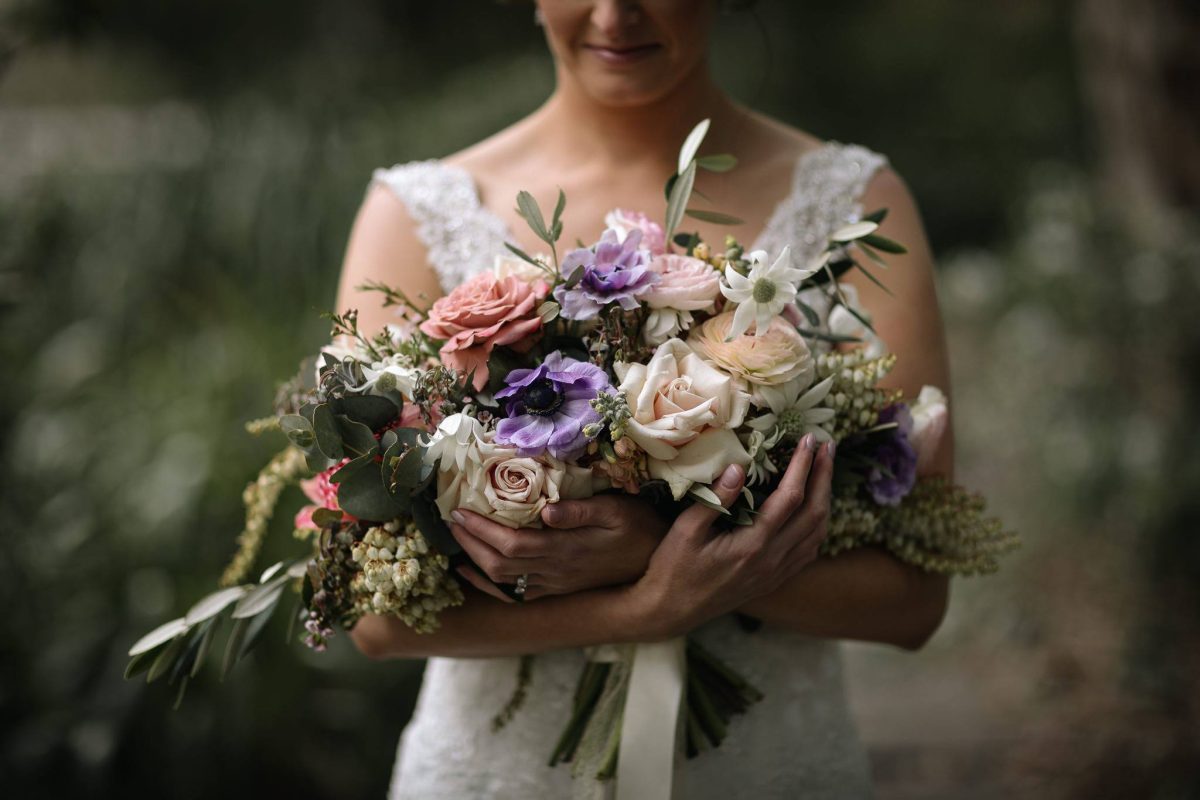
643	363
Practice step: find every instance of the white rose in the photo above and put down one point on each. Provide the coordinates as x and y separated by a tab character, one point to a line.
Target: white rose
684	410
930	416
495	482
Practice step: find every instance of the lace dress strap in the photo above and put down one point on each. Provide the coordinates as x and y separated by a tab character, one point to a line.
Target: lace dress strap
461	237
827	189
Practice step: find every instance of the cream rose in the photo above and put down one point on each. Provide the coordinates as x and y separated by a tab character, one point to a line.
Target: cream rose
768	359
684	411
685	285
481	476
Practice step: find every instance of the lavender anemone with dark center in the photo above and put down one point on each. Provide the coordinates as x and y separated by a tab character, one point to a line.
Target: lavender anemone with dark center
896	473
614	271
549	406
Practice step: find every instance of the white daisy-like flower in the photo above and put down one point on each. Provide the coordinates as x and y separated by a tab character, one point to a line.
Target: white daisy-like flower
796	414
759	445
762	294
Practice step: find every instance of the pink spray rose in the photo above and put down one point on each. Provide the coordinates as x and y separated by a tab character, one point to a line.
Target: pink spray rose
482	313
685	285
623	221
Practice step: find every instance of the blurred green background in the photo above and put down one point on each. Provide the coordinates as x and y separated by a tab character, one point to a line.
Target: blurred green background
177	182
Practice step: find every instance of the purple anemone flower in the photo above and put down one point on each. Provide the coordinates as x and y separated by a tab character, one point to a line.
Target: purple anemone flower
614	271
549	405
896	474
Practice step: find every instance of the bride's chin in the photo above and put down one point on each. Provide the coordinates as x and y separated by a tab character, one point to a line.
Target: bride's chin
625	92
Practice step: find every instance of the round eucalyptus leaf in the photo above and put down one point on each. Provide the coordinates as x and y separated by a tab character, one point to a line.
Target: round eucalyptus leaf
329	438
160	635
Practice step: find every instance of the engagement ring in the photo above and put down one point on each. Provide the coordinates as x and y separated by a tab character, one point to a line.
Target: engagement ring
522	585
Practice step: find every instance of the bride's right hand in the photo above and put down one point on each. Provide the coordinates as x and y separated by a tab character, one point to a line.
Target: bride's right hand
697	574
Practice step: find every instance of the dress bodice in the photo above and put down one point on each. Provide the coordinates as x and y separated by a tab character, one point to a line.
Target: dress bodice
798	742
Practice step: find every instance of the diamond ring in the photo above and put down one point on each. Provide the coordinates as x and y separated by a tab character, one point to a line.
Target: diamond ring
522	585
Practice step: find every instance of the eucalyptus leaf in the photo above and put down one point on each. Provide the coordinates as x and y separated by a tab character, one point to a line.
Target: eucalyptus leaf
183	665
715	217
358	440
680	193
160	635
431	525
365	495
298	430
809	313
260	598
214	604
325	517
351	467
870	253
871	277
556	220
722	162
692	144
254	630
402	466
369	409
521	254
270	572
548	311
876	216
329	439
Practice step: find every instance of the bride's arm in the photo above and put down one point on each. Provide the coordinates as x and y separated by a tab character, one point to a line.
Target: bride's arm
868	594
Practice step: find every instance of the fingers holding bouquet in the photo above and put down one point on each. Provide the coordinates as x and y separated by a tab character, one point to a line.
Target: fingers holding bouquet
698	573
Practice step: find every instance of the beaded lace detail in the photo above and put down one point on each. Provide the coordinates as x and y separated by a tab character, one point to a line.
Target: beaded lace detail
798	742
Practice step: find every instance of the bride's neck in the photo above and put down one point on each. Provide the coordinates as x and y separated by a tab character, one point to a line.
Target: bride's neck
634	135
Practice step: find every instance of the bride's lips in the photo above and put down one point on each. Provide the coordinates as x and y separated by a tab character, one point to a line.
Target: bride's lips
621	56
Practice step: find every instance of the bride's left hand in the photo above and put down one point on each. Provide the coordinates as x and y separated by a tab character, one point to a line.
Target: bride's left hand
602	541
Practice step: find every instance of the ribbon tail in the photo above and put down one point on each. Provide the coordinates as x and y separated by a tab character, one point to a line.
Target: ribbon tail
650	722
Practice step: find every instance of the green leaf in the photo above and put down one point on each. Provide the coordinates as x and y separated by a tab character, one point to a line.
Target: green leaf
877	215
556	220
326	517
357	439
691	144
233	646
717	163
166	659
679	198
527	207
826	337
179	694
809	313
670	184
365	495
140	663
870	253
707	497
715	217
521	254
214	604
402	466
298	430
883	243
260	598
255	629
369	409
549	311
159	636
329	439
205	643
429	522
873	279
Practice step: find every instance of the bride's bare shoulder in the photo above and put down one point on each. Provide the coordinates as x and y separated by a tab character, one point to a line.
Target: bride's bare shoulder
508	148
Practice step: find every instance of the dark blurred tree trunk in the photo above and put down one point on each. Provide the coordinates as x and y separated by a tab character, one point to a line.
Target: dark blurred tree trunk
1140	65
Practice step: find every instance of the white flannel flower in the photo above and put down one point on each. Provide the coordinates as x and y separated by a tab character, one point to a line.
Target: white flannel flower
762	294
796	414
759	445
387	376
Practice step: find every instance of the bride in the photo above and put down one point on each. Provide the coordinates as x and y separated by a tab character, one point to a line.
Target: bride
632	80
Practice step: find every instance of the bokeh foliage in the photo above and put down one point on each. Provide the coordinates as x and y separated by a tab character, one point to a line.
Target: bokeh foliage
177	182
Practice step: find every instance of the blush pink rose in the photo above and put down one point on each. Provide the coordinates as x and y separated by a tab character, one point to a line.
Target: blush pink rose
623	221
482	313
687	284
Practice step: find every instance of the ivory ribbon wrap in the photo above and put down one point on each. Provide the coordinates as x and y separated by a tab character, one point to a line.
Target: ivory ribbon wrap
649	725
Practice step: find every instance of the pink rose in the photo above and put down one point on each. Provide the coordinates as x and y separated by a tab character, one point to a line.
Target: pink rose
687	284
622	221
482	313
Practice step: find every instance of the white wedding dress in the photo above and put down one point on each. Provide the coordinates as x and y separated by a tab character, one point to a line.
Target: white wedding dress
799	742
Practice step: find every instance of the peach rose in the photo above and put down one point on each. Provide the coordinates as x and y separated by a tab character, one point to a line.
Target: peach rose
686	285
482	313
777	356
